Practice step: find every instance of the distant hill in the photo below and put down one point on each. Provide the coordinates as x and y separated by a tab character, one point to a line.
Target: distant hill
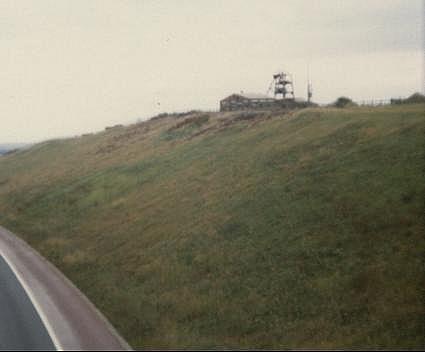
5	148
241	230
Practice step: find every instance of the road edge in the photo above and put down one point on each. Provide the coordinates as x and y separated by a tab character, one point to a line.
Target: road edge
15	239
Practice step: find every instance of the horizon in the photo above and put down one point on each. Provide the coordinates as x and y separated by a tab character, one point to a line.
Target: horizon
77	67
20	145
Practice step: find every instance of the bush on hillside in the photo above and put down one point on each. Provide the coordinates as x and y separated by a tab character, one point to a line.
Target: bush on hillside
415	98
343	102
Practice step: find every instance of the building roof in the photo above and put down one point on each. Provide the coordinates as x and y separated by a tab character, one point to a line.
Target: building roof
249	96
254	96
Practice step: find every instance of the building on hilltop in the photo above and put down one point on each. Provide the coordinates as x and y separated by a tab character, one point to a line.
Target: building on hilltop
245	101
284	97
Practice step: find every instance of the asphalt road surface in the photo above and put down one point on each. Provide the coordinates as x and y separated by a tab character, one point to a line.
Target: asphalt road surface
20	325
40	309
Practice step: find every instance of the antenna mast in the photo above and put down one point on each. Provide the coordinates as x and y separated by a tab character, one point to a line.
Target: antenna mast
309	86
309	91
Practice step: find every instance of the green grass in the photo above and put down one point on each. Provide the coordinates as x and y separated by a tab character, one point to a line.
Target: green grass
302	230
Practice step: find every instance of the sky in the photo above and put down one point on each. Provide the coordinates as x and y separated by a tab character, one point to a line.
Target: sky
77	66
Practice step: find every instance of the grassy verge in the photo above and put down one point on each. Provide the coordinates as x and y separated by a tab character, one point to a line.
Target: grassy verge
208	231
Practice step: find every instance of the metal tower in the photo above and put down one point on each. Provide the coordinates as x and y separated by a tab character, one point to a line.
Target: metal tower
283	86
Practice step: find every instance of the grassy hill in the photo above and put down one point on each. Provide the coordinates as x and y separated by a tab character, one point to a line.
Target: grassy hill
237	229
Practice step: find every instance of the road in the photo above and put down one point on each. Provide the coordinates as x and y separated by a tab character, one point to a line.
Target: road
40	309
20	325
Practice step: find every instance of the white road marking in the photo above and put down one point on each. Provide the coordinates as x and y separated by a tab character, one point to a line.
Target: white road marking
37	307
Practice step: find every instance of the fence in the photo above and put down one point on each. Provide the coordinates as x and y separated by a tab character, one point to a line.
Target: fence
374	102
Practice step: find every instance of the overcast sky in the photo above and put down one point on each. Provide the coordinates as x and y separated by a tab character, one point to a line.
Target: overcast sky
69	67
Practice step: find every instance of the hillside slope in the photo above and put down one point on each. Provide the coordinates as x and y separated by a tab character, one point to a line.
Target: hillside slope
238	229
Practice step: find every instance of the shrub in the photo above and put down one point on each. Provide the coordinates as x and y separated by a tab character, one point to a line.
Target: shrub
343	102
